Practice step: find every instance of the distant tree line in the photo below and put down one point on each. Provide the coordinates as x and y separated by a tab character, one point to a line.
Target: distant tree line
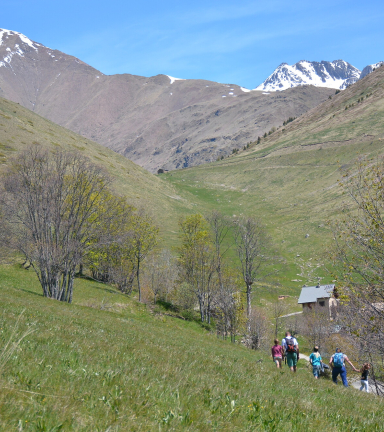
258	141
290	119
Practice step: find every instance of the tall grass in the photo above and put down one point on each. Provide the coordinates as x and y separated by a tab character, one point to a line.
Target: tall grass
13	343
125	369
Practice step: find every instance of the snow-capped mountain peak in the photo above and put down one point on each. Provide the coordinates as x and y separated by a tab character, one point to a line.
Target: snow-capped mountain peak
337	74
14	43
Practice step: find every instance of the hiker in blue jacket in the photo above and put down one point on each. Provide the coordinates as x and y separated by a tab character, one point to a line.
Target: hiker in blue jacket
315	360
337	363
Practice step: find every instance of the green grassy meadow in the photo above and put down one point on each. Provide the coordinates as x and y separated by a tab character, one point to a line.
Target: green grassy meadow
107	363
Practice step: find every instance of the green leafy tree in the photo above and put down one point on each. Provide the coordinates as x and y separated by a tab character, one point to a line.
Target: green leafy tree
111	258
144	239
197	261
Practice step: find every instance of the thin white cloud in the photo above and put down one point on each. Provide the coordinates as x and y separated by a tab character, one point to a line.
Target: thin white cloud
181	43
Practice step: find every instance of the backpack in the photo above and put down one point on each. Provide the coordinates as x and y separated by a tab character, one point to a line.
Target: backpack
338	359
291	347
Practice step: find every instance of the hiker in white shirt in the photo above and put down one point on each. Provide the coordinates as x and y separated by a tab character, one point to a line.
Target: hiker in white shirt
291	350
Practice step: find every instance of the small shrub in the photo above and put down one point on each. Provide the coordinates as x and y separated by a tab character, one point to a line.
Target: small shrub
168	306
207	326
188	314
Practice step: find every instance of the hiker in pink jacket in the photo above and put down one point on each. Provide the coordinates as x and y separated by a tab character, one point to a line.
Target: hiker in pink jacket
277	353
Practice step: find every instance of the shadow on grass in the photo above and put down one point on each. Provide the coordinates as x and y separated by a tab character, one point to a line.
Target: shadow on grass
168	306
31	292
96	285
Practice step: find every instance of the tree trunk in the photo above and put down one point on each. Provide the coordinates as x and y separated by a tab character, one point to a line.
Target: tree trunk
138	279
249	306
201	306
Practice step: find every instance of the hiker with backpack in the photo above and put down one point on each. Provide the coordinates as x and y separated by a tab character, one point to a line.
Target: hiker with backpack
316	362
337	363
291	350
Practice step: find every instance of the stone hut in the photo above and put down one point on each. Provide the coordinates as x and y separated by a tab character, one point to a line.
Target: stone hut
321	296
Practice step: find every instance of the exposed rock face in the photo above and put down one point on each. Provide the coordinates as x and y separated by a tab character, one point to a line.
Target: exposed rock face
370	68
157	122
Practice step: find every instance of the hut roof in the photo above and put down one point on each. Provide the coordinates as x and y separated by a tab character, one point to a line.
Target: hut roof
313	293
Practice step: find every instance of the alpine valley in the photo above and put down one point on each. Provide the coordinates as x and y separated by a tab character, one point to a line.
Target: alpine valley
288	178
107	362
160	121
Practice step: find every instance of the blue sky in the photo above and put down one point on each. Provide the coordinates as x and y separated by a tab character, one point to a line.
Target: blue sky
222	41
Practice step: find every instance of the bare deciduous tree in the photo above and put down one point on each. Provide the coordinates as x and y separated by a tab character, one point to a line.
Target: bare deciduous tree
220	228
258	329
161	274
316	325
279	309
252	245
228	305
53	204
220	236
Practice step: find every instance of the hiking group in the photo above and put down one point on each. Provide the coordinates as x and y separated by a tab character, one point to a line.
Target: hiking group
289	350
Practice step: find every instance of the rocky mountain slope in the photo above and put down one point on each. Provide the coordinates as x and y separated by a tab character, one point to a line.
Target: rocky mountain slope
157	122
370	68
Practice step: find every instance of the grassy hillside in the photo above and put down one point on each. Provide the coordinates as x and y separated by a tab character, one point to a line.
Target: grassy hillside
107	363
20	127
290	179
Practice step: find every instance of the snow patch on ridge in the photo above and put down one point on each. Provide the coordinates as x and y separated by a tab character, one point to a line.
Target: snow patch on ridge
173	79
24	39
